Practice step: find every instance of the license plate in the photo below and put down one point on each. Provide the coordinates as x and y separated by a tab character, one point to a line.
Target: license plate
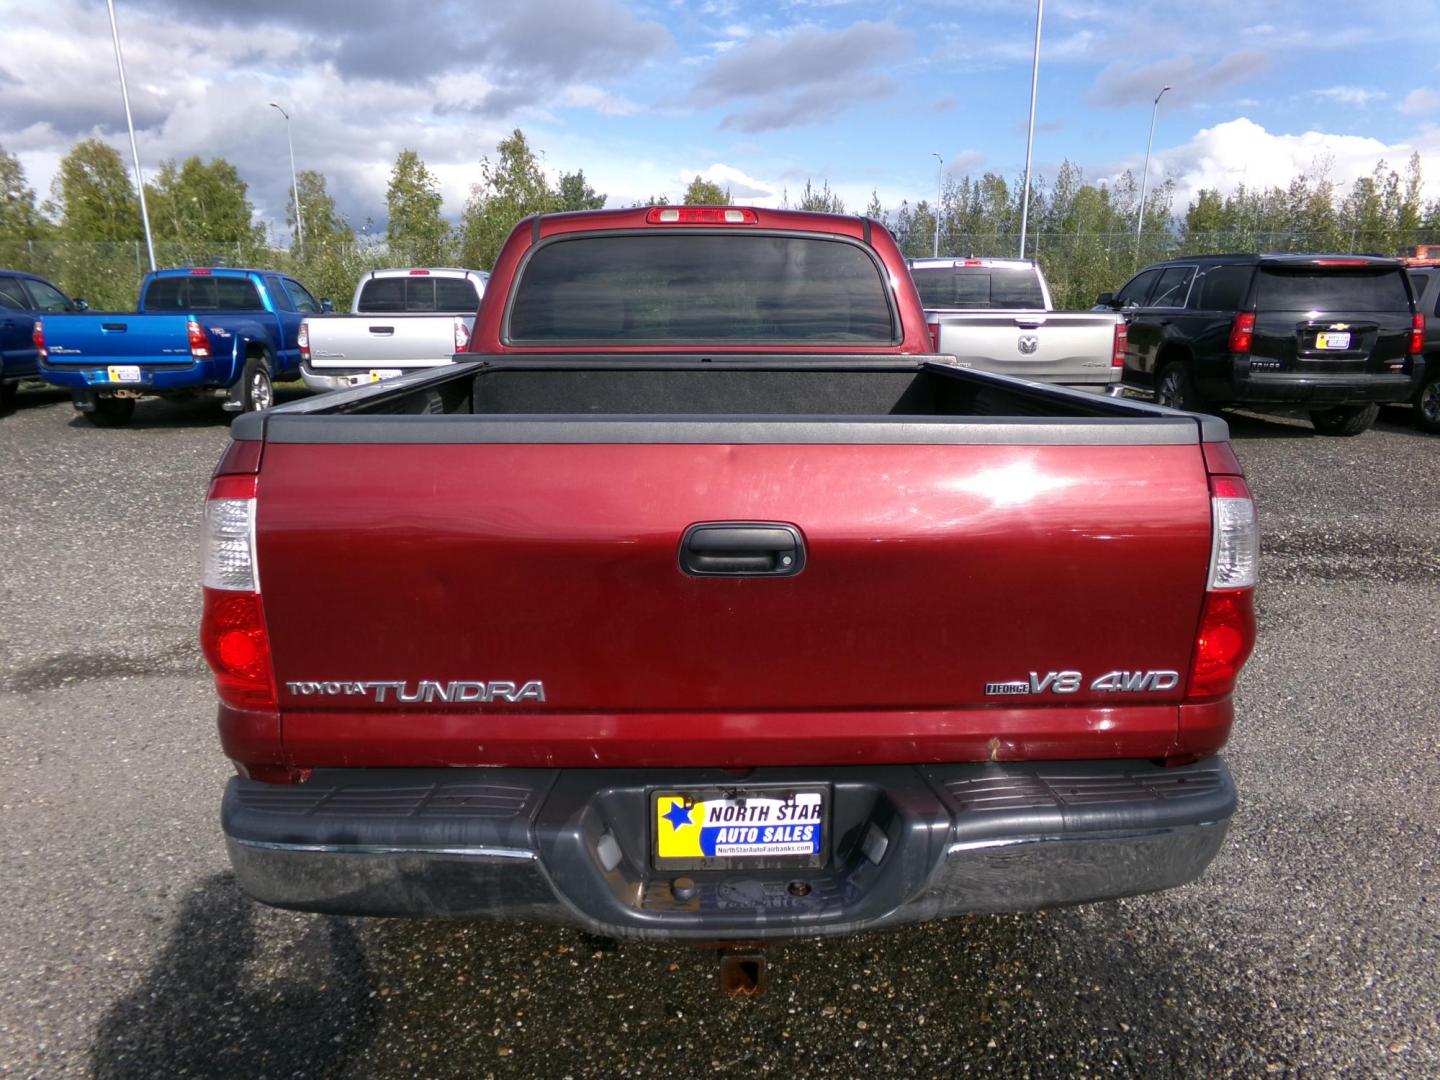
749	826
123	373
1332	340
377	374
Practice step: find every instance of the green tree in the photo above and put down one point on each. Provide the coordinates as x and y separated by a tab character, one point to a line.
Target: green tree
575	193
1207	224
19	217
323	223
20	220
511	187
822	198
201	213
329	261
873	210
92	195
100	256
705	193
416	232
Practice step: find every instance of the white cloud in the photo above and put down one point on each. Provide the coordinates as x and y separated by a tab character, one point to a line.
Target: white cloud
1420	101
1240	151
584	96
742	186
1358	96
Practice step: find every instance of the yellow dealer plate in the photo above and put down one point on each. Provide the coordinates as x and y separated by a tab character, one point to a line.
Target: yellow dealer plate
714	827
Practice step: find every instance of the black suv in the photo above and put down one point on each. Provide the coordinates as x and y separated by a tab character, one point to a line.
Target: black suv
1337	334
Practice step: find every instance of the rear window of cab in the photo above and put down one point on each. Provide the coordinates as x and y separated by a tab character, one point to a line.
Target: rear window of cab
202	293
750	288
421	293
1332	289
977	288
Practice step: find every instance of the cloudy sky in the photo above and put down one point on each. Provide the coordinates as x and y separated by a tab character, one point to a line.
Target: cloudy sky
644	94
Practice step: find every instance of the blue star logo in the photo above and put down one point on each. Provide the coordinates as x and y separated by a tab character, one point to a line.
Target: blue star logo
677	815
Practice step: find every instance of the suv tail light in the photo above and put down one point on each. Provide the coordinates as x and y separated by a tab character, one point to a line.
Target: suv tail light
1122	339
1242	332
199	343
1226	633
462	335
232	624
934	329
1417	334
37	336
302	340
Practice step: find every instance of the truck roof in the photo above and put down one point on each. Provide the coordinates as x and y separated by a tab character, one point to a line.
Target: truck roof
211	271
640	217
1280	258
955	262
423	271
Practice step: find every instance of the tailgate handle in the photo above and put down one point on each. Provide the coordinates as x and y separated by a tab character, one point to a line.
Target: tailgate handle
742	549
114	327
387	330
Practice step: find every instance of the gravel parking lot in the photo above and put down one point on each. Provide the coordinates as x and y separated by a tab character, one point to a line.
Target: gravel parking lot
1311	946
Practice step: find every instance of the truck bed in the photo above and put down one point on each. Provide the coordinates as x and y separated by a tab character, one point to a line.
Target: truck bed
740	389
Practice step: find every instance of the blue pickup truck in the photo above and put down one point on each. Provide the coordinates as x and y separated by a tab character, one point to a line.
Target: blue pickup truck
24	298
214	331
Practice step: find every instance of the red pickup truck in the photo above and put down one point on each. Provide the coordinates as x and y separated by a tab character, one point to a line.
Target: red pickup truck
700	601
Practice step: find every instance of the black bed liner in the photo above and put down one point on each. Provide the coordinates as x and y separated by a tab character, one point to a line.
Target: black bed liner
696	398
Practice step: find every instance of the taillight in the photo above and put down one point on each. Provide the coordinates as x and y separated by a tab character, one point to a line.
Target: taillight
1235	535
1242	332
199	343
37	335
462	335
934	329
1122	339
1223	643
1417	334
302	340
1227	622
232	624
700	215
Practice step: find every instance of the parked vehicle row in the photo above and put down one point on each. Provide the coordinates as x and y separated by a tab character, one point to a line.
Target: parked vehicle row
1425	279
1338	335
997	315
400	320
24	299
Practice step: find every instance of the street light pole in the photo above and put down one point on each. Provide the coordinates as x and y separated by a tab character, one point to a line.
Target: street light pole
294	187
939	197
1030	138
1145	173
130	123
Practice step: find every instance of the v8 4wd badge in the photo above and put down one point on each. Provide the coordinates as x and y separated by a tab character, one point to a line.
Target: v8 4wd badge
1070	682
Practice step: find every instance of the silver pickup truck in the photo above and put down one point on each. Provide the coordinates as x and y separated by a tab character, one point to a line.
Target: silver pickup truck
997	315
401	320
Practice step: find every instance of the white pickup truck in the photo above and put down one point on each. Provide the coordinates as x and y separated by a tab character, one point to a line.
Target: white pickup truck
400	320
997	315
